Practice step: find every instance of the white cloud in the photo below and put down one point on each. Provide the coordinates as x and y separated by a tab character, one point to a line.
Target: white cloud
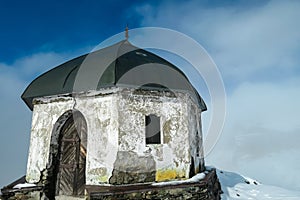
243	41
26	68
262	131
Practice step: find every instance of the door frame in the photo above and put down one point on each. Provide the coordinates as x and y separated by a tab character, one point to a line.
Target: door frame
52	183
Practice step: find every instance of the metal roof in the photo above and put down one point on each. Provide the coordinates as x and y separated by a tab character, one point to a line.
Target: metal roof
117	65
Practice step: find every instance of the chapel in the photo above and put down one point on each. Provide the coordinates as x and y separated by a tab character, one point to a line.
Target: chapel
117	119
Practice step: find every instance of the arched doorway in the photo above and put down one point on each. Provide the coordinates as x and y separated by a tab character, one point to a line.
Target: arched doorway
71	156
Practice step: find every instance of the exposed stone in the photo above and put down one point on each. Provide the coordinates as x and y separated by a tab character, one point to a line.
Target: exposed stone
32	194
207	189
138	169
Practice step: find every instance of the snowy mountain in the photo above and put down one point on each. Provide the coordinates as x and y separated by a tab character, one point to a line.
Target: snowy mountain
235	186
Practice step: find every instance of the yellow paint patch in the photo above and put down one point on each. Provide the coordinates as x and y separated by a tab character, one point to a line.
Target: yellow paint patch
165	175
103	179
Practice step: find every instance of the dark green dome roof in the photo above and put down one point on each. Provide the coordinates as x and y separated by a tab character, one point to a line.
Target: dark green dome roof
121	64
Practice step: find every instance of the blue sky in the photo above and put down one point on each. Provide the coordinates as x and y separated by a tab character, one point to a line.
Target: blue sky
255	45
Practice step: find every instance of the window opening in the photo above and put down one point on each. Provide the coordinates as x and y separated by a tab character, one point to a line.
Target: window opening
152	129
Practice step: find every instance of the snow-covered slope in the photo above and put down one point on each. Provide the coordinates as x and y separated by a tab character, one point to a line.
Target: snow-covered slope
236	186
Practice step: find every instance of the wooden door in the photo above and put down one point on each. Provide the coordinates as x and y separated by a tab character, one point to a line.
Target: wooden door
72	157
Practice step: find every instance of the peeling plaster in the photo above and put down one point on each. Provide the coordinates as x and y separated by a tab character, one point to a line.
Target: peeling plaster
116	123
43	119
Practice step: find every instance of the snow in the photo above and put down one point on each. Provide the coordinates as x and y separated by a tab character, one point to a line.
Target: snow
24	185
235	186
194	179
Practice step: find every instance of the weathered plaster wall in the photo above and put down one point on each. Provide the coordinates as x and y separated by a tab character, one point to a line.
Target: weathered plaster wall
195	137
44	117
101	114
172	157
116	135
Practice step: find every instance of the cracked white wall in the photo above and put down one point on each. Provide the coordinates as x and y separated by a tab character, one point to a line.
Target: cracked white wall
102	138
195	137
116	122
102	119
173	155
44	117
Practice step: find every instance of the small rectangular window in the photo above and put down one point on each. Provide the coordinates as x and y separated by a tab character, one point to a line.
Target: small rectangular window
152	129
